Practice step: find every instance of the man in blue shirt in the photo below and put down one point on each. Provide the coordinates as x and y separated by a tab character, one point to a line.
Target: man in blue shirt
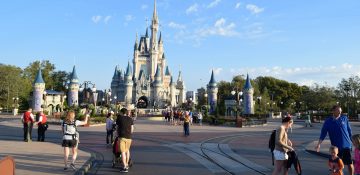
340	136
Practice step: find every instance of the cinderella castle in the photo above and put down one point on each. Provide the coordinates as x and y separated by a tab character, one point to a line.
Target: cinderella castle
148	81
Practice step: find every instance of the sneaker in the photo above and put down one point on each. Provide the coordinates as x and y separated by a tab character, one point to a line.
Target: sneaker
124	170
66	168
73	166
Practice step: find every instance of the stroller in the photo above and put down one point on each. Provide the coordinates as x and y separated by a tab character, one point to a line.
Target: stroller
117	160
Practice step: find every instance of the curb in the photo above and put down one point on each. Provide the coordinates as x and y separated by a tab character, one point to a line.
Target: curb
318	153
87	165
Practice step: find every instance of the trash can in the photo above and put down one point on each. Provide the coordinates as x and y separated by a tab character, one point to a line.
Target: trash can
239	122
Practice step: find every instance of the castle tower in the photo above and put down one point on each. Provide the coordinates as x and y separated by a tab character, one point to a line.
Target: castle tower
212	91
128	83
172	92
181	87
248	90
39	88
73	93
157	84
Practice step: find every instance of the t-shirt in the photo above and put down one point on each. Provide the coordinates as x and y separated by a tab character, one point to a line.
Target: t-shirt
339	132
124	126
70	130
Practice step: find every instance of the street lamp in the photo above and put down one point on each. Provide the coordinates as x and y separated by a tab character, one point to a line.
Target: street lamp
347	89
259	102
15	99
84	87
238	102
45	101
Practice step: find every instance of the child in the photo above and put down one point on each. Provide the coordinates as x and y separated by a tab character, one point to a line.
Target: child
336	165
356	142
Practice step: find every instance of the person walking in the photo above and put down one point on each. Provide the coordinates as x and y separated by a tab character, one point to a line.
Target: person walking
42	126
70	140
200	118
187	124
28	120
125	129
339	130
282	146
109	127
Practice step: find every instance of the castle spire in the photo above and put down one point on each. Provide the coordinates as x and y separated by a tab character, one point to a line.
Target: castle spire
128	70
74	75
212	79
247	83
136	42
39	78
155	17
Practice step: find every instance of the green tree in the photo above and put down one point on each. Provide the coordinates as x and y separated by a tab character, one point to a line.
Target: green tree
12	85
47	69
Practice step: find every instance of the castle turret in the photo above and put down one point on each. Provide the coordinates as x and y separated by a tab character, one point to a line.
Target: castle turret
181	86
212	91
172	92
157	84
248	90
73	93
128	82
38	93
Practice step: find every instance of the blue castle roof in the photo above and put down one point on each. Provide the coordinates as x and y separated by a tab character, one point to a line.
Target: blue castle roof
39	78
74	75
212	79
247	83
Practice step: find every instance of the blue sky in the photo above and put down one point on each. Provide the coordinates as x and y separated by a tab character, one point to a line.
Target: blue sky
304	42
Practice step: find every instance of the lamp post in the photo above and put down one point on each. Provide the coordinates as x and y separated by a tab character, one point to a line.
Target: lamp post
16	100
45	101
63	97
347	89
238	103
259	102
84	87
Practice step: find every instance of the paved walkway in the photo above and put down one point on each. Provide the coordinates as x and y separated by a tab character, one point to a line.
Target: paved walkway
40	158
47	157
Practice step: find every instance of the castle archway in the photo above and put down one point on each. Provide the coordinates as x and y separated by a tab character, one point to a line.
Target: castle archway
142	102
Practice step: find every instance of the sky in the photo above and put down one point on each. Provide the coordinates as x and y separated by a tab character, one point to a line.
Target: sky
300	41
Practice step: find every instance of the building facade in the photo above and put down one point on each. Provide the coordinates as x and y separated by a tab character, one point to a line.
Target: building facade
148	81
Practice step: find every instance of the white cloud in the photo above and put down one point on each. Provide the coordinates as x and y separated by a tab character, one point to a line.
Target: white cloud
220	28
192	9
144	6
176	25
99	18
254	9
322	75
106	19
237	5
96	19
214	3
129	18
217	71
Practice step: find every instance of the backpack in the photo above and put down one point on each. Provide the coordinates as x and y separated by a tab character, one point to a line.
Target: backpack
272	144
70	129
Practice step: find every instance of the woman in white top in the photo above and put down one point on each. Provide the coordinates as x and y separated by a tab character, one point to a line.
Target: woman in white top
70	137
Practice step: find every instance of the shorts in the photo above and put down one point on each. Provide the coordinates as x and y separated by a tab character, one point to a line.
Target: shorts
69	143
345	155
125	144
279	155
